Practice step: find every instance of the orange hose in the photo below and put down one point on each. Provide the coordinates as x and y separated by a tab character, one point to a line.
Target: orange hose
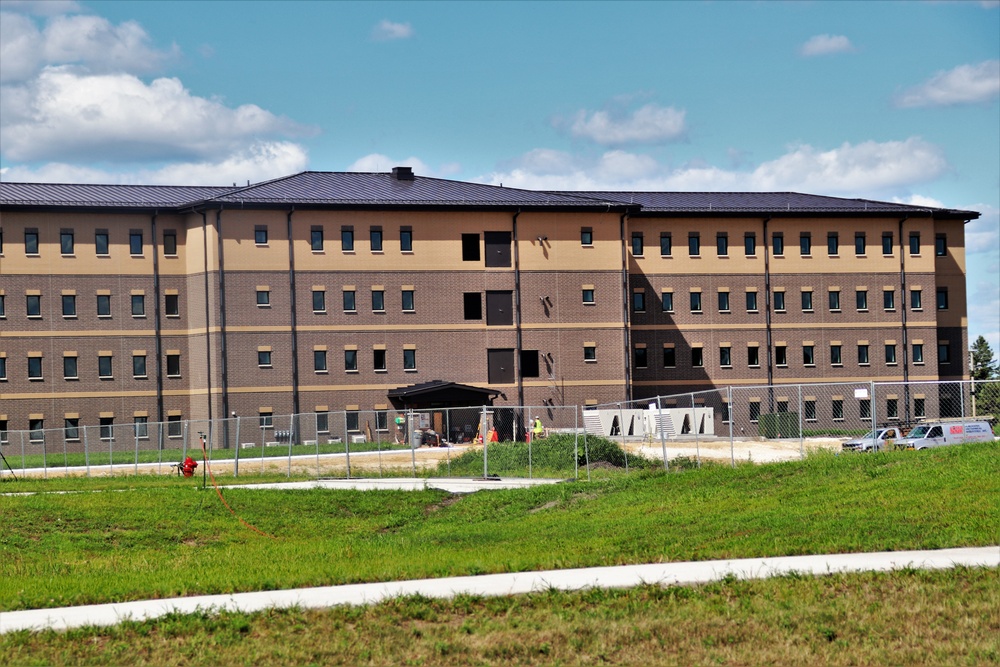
219	493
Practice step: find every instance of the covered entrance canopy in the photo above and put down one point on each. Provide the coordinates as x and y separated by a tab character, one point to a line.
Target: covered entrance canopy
440	394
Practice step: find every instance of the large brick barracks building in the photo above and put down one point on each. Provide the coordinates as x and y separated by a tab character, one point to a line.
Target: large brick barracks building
332	291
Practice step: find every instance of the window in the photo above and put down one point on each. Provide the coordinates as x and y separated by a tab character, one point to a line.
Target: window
750	244
139	365
807	300
409	360
586	236
135	242
837	409
695	302
266	419
753	356
472	305
725	356
940	245
832	243
697	357
919	409
107	428
263	298
260	234
171	305
944	353
669	357
724	302
667	299
640	357
859	243
778	244
861	299
138	305
3	368
752	302
916	300
322	422
36	430
351	420
70	368
347	239
3	307
375	235
889	299
71	428
4	437
319	361
639	301
637	248
808	355
918	353
809	407
590	352
753	410
890	354
31	242
350	303
722	244
865	408
316	239
378	362
350	360
381	420
104	366
863	354
666	244
470	247
836	356
805	244
169	242
588	295
174	426
173	365
892	408
834	297
942	298
914	243
406	239
694	244
264	358
69	305
780	355
34	305
66	243
408	300
779	301
886	243
104	305
101	244
319	300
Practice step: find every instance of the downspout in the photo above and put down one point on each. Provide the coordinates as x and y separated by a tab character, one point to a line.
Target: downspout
294	322
626	302
768	334
157	323
902	309
208	326
224	364
517	312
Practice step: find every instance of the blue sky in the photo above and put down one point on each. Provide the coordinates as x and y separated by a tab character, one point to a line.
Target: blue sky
895	101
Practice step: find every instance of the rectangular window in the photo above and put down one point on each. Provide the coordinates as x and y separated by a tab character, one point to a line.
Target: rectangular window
753	356
3	306
260	234
892	408
639	301
942	298
724	302
725	356
105	369
319	300
586	236
107	428
722	244
861	299
409	360
174	427
472	305
808	355
173	365
350	360
381	420
919	407
944	353
350	303
169	242
780	355
918	353
836	357
71	369
807	301
669	357
832	243
778	244
914	243
805	244
31	242
4	434
810	410
139	365
750	244
834	297
697	357
3	368
470	248
316	239
347	239
378	361
138	305
101	243
406	239
752	302
497	246
865	408
319	361
860	244
695	302
36	430
375	235
263	298
71	428
779	301
890	354
753	410
264	358
135	242
639	354
916	300
588	296
637	245
265	419
694	244
666	244
889	299
104	305
408	305
667	298
171	305
66	242
886	243
69	305
837	409
352	421
33	305
863	355
322	422
590	353
940	245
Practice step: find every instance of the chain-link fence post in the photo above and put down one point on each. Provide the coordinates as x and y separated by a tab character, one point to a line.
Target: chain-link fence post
663	436
86	450
802	441
413	444
730	416
486	439
236	458
874	408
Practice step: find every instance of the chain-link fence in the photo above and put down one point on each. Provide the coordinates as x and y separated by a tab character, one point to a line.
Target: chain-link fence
732	424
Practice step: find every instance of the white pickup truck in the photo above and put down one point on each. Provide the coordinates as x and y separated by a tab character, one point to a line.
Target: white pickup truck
873	440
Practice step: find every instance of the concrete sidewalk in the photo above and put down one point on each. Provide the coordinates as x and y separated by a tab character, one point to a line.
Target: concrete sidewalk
624	576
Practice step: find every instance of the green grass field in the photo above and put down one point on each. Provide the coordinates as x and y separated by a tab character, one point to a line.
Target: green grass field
166	537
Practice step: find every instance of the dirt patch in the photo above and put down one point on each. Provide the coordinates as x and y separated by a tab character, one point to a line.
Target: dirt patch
447	502
547	506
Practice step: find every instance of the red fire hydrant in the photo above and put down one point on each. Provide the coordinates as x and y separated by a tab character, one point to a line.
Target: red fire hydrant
188	466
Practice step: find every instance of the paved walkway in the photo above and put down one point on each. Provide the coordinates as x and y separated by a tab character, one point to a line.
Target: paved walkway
666	574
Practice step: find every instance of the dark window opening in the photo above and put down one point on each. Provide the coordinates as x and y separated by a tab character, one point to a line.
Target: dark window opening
472	305
529	363
470	247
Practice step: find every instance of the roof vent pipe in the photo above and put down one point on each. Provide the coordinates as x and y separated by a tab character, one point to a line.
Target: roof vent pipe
402	173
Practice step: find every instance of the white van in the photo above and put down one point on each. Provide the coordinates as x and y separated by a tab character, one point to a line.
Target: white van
943	433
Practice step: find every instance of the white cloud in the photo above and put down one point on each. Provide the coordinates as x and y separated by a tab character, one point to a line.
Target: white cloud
650	124
64	114
388	30
823	45
965	84
376	162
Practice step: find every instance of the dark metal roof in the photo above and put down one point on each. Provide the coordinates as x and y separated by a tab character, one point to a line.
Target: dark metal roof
435	386
115	196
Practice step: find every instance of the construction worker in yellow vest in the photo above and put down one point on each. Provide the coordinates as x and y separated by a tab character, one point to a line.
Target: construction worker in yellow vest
537	430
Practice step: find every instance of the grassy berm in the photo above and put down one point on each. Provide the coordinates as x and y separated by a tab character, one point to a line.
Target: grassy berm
167	537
